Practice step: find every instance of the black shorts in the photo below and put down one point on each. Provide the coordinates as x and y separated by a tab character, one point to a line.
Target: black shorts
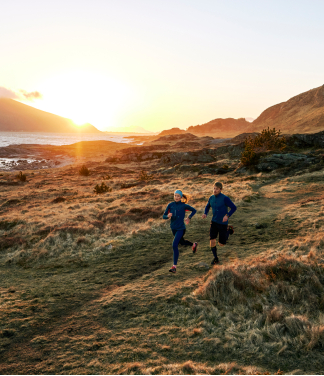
215	229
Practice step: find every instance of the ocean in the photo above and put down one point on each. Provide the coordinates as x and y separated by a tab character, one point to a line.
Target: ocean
45	138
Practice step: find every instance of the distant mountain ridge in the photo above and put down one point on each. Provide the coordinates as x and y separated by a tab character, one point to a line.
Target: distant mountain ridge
218	128
303	113
18	117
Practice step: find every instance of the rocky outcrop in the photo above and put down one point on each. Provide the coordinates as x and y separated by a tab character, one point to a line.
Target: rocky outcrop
172	131
274	161
307	140
176	137
201	156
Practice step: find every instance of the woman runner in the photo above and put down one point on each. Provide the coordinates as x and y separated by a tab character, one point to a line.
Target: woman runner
176	211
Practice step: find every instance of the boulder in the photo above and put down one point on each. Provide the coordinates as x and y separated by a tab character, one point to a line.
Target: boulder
307	140
274	161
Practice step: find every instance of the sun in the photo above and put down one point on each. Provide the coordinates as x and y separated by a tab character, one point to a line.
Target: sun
86	97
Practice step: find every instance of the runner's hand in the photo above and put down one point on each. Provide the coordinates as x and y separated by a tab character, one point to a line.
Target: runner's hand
225	218
187	221
169	215
204	216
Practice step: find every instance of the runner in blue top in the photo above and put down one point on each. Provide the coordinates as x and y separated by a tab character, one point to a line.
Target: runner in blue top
176	210
219	223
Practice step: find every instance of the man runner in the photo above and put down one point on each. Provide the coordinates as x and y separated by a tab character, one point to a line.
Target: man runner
219	204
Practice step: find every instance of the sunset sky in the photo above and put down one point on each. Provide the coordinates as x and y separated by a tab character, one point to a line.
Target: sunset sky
159	64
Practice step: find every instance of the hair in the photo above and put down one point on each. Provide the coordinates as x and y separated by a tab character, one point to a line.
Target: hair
218	185
185	198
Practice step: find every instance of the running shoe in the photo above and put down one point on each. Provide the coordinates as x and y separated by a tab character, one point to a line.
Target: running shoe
173	270
215	261
194	247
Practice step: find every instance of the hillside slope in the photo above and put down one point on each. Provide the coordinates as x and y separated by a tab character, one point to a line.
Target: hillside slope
303	113
18	117
221	127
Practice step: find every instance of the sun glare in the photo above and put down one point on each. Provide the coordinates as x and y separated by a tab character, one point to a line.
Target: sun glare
86	97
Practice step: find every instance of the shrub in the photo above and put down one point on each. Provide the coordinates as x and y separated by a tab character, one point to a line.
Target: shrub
107	177
21	176
102	188
267	140
58	200
143	176
84	171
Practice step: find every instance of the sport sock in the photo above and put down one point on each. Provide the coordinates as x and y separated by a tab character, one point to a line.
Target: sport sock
214	250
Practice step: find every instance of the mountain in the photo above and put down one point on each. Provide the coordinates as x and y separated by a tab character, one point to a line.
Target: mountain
220	127
18	117
172	131
303	113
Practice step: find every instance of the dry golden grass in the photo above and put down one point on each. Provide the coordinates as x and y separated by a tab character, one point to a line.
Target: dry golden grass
86	289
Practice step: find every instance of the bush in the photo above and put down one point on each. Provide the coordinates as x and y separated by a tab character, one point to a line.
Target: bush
268	140
102	188
21	176
84	171
143	176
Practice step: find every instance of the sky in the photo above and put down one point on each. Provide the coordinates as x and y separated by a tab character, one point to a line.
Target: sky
159	64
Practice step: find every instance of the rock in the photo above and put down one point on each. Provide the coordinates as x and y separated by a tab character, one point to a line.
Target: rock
202	265
223	170
306	140
241	170
274	161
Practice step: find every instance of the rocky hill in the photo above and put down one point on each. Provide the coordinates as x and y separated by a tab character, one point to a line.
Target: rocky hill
221	127
18	117
172	131
303	113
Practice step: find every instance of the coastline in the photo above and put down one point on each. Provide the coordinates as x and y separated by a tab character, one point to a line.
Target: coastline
23	157
43	150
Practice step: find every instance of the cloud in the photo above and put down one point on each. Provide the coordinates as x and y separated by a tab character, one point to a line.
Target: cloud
32	95
20	95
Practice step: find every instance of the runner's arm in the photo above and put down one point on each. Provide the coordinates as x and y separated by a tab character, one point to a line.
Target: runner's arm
207	208
167	211
231	205
190	208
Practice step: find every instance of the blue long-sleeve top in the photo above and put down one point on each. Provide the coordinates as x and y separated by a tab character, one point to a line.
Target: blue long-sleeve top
178	210
220	205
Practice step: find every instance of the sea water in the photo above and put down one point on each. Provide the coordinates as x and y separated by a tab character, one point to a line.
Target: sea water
46	138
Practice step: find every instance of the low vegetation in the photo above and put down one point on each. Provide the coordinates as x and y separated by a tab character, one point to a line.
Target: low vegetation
84	171
267	140
22	177
86	288
102	188
144	176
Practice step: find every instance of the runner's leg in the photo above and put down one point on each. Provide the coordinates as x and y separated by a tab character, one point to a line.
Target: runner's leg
177	237
185	242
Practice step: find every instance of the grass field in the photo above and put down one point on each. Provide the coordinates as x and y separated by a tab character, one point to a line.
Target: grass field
85	287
